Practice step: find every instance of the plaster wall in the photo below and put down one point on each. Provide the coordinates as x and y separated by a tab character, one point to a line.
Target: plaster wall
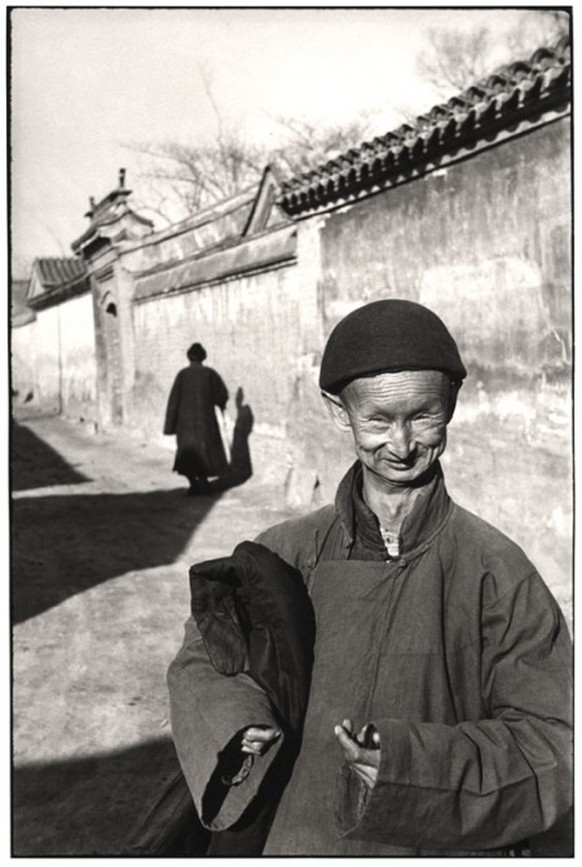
44	354
53	358
251	328
22	375
484	242
189	237
78	358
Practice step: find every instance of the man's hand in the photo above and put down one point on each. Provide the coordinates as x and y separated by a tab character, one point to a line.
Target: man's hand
361	751
258	739
237	759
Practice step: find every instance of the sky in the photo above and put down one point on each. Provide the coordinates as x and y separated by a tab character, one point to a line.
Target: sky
86	83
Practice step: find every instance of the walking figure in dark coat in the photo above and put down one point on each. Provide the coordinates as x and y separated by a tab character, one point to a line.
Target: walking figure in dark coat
192	417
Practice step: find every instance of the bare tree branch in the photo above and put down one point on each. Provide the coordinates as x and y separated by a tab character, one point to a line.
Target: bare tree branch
307	146
193	176
187	177
538	27
452	59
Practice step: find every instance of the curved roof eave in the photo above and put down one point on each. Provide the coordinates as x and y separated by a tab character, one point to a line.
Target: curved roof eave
511	95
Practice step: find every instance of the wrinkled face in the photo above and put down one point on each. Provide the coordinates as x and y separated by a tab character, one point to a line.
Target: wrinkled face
399	422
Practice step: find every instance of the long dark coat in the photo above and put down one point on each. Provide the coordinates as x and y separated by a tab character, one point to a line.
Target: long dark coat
191	416
456	652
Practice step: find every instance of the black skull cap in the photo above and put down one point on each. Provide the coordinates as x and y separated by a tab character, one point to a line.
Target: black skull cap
388	336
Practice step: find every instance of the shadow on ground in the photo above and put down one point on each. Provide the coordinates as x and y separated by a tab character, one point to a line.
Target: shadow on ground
94	538
34	464
89	806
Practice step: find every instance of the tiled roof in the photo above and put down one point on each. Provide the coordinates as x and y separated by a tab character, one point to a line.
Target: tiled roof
277	247
107	212
56	279
215	211
209	227
514	93
55	272
21	314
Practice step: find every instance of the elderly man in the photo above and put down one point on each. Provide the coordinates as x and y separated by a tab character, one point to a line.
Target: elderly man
438	720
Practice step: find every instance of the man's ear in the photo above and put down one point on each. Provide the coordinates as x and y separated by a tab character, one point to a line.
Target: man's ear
454	388
337	411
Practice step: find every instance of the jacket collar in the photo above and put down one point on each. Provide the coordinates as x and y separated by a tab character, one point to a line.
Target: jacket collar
428	516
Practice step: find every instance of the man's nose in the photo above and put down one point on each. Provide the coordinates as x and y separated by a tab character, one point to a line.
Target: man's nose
401	442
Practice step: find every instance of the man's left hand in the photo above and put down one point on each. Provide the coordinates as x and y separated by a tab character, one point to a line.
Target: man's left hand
361	751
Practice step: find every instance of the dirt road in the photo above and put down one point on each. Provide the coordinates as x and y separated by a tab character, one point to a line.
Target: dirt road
102	538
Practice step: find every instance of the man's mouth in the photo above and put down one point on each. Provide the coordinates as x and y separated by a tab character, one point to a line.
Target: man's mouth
400	464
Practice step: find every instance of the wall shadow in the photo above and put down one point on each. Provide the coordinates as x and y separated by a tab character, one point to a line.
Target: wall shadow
93	805
34	464
240	468
63	545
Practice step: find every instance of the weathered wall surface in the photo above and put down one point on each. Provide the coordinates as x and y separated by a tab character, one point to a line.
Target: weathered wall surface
251	329
46	359
22	372
484	242
54	359
78	358
261	330
193	235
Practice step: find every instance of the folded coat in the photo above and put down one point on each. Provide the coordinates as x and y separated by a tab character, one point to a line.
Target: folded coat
254	615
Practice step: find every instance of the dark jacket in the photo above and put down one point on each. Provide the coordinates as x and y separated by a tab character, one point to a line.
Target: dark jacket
255	617
254	614
459	655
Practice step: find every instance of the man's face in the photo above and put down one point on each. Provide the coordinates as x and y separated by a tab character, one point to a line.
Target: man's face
399	422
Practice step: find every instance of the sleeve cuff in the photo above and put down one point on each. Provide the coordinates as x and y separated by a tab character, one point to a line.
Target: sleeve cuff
224	805
364	813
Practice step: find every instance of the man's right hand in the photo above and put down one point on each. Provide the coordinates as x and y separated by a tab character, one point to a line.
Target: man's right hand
256	740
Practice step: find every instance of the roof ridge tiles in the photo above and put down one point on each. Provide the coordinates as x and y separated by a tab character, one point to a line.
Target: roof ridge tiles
483	105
